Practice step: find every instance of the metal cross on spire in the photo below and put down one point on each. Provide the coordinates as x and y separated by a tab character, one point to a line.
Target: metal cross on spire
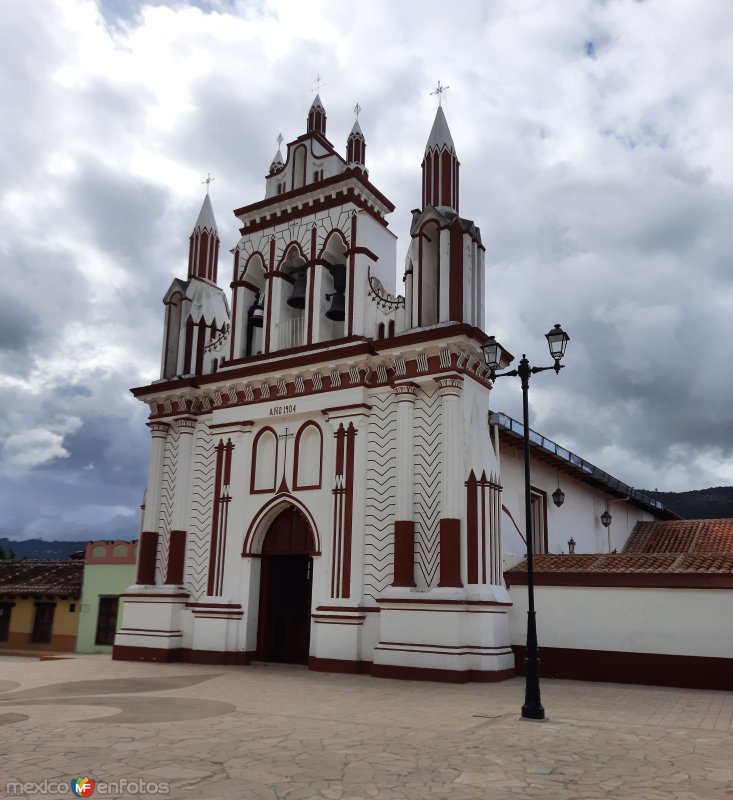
439	91
357	109
208	181
319	82
280	139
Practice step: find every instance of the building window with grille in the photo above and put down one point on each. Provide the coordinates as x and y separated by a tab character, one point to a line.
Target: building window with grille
107	620
43	623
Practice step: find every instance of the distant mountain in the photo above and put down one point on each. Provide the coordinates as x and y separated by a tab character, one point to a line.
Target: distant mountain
712	503
40	549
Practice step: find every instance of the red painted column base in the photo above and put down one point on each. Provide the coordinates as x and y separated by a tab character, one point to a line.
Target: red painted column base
176	558
404	553
147	554
450	553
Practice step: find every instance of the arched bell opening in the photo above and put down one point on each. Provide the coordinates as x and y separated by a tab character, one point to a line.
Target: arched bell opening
286	578
331	298
251	298
293	297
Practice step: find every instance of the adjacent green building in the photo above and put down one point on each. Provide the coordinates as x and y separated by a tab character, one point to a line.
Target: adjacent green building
109	568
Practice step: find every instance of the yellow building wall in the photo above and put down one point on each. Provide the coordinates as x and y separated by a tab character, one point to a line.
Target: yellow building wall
63	630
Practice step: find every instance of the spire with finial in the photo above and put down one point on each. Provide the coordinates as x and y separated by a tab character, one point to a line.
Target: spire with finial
203	251
356	144
317	113
440	163
277	161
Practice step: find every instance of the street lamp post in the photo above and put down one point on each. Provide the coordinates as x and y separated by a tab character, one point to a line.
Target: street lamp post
557	340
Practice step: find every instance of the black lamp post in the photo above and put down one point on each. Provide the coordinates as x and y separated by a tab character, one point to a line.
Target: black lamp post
557	340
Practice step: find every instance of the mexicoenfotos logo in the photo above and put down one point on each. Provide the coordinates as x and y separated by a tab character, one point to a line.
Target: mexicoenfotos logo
83	786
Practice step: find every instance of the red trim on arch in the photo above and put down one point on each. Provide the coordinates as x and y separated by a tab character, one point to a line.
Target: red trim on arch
296	456
253	473
267	514
334	232
287	249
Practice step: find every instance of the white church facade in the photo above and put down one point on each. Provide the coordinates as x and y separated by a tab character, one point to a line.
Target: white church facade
325	485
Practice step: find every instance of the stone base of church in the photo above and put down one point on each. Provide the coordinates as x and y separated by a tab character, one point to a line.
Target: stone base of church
445	634
182	654
152	623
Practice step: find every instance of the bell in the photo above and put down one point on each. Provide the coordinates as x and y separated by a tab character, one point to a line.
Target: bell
297	298
337	312
257	311
338	273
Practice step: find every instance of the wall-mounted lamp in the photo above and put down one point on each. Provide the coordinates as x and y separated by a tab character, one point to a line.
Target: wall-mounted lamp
558	496
606	522
571	546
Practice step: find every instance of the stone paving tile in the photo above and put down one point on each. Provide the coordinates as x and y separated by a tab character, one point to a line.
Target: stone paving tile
271	732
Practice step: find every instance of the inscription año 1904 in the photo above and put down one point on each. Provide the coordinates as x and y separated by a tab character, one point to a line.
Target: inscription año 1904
277	411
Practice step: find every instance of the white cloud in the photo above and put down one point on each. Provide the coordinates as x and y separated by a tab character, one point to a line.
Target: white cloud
37	446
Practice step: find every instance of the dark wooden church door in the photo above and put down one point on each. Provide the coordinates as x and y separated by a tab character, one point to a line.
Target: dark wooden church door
285	590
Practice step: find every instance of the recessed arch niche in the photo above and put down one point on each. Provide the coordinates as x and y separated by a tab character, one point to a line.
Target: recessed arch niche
308	458
264	461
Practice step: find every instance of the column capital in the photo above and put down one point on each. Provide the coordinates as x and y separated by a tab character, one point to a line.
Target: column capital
405	391
158	430
449	385
186	424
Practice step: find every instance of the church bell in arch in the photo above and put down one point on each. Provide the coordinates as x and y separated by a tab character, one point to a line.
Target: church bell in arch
297	296
337	311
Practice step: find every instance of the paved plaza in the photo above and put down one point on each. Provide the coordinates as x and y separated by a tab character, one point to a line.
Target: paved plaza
269	731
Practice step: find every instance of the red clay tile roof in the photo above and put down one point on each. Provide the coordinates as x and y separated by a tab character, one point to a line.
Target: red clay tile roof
682	536
41	578
630	562
628	569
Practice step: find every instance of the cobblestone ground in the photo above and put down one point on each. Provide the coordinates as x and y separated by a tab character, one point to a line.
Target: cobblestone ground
283	732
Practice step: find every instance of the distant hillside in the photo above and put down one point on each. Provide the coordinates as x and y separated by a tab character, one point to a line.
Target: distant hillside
39	549
712	503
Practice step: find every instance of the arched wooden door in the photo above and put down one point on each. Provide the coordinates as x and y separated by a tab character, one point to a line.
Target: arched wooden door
283	631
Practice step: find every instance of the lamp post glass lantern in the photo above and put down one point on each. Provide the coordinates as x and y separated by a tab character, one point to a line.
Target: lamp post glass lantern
557	341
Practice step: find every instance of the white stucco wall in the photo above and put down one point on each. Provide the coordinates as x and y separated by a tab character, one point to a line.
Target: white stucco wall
695	622
578	517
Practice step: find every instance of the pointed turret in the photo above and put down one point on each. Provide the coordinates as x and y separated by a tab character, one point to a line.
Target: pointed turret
356	148
317	117
440	167
277	163
203	252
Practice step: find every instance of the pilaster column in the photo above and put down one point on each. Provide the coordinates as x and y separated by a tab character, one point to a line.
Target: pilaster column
444	275
450	390
404	526
148	549
181	499
234	456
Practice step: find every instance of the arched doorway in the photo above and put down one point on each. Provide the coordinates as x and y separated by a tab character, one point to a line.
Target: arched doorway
283	631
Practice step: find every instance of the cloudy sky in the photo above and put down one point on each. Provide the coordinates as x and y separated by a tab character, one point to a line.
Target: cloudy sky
595	143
